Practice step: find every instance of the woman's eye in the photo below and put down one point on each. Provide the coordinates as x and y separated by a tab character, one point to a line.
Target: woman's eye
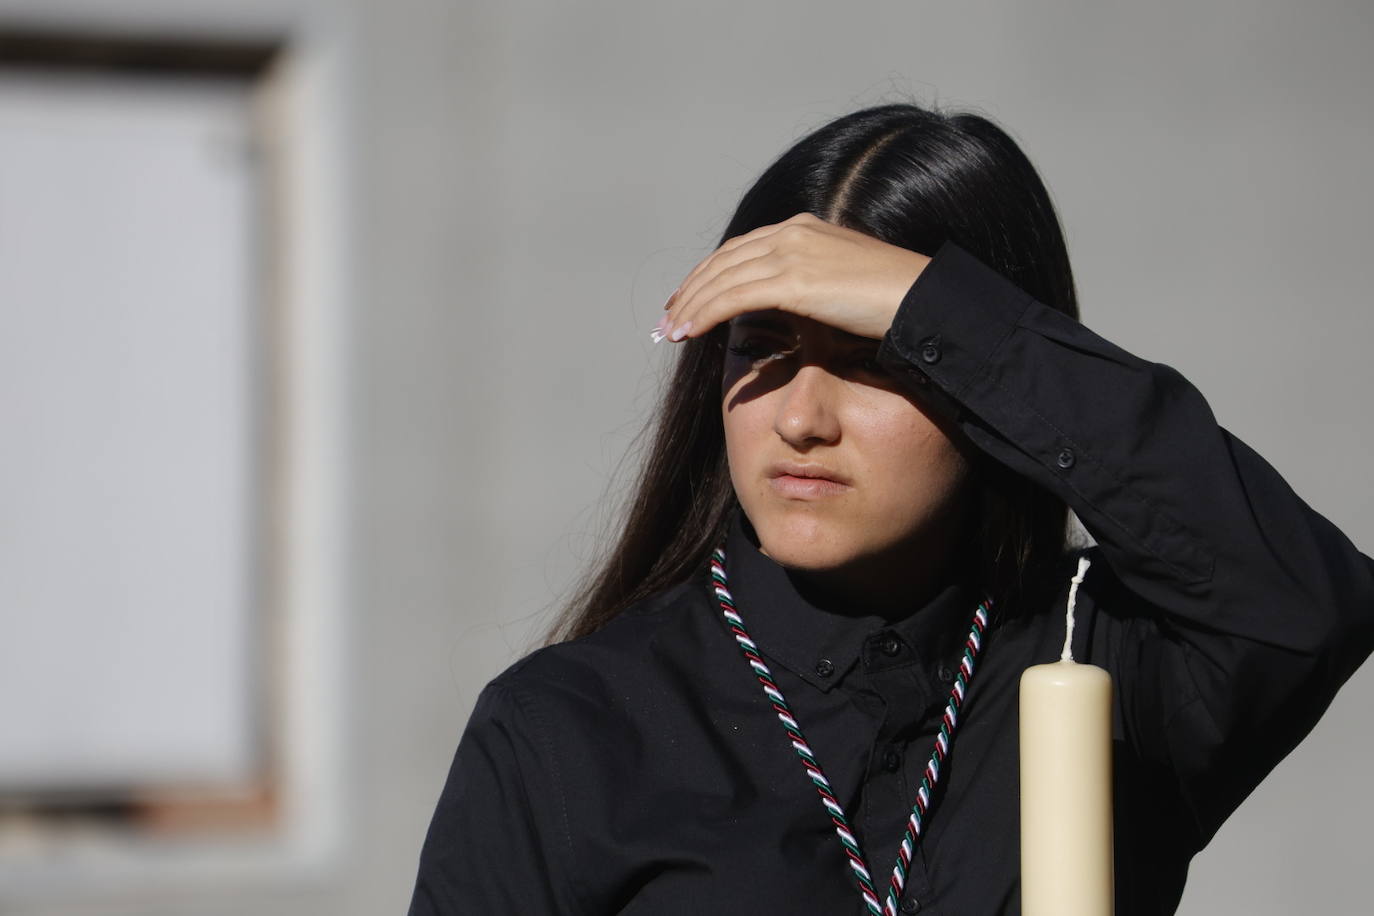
869	364
756	350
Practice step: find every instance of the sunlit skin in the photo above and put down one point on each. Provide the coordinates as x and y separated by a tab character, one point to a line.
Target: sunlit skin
797	390
807	302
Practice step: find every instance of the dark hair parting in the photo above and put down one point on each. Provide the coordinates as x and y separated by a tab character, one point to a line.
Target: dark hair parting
910	176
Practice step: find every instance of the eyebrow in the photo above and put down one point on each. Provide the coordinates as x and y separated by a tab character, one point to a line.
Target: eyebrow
772	320
763	321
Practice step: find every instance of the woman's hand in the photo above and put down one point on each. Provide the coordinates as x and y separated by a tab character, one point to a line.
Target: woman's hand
802	265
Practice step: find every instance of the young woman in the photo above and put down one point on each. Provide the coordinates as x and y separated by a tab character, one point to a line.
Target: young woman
847	543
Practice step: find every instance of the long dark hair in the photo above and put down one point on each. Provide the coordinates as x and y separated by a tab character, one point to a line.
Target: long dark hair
911	177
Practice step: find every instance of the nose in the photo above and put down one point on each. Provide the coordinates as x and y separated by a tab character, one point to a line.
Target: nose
806	414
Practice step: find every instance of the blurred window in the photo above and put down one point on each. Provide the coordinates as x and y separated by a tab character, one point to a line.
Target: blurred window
136	395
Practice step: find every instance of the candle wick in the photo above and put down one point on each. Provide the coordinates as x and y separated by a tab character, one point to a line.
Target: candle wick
1077	580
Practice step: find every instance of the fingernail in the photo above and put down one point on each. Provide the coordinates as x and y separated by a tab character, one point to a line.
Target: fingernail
681	330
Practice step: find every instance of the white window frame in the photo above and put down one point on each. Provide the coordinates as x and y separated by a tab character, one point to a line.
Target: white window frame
303	96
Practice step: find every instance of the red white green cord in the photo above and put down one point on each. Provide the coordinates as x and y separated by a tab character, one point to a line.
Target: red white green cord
943	740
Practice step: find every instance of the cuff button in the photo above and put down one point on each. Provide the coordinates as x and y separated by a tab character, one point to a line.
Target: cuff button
930	351
1066	458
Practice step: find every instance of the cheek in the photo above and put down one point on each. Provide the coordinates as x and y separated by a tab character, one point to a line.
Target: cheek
909	460
748	426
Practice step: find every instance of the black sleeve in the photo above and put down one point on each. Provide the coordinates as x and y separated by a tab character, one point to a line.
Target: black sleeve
499	840
1258	608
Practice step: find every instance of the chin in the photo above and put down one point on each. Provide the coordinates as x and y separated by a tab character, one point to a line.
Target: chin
806	542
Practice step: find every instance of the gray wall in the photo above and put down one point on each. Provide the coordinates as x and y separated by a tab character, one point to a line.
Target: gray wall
529	180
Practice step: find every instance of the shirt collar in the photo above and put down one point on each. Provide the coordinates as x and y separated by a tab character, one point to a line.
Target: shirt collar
822	643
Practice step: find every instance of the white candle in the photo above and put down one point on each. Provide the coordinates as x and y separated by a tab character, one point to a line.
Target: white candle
1066	785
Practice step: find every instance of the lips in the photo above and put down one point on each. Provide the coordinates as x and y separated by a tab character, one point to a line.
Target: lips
792	480
806	472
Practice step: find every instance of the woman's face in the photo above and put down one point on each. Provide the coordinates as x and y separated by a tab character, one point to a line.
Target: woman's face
838	471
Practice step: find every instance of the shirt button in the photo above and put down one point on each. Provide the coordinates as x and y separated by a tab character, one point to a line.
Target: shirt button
890	645
946	674
825	667
930	350
892	761
910	905
1066	458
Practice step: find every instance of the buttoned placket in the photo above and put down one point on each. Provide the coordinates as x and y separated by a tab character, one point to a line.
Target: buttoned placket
894	685
893	679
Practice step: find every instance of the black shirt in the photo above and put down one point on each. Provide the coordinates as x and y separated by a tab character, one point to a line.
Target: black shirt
641	769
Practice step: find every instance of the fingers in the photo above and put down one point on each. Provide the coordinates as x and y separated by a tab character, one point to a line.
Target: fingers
734	279
710	270
723	256
698	299
740	288
726	255
735	300
803	265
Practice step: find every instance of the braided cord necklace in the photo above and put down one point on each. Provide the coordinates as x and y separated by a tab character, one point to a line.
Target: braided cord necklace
950	720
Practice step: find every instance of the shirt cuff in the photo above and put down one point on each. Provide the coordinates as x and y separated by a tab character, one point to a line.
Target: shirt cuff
948	325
